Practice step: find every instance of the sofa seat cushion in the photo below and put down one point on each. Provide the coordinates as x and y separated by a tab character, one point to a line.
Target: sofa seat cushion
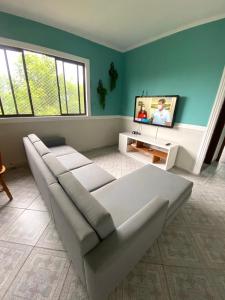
92	177
95	214
62	150
73	160
125	196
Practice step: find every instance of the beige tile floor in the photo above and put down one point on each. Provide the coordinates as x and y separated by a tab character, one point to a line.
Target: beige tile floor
186	262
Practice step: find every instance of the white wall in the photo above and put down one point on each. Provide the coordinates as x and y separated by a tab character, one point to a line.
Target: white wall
187	136
94	132
82	134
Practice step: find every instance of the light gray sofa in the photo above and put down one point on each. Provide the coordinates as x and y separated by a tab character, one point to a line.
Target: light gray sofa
106	225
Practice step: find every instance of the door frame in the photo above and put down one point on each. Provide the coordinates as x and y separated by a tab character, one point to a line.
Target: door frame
220	96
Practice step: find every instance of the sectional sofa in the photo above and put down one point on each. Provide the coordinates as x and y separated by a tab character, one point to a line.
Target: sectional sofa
106	224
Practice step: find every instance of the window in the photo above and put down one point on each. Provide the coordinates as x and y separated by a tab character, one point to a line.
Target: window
36	84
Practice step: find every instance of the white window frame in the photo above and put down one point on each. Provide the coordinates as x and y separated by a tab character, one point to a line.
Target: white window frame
60	54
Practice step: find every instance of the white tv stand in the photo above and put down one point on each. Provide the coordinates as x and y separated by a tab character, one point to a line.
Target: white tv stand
160	153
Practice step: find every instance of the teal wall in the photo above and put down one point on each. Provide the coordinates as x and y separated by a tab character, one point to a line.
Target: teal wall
188	63
24	30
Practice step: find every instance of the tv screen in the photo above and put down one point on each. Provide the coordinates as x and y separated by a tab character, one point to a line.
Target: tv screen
155	110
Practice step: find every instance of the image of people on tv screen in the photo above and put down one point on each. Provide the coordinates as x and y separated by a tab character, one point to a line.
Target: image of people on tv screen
161	115
155	110
142	114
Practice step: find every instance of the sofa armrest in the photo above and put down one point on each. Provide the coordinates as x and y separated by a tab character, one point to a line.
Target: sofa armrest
111	260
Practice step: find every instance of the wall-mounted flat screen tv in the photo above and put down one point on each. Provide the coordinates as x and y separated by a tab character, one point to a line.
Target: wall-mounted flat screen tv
155	110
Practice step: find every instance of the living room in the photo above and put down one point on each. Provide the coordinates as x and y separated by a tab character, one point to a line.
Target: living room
82	86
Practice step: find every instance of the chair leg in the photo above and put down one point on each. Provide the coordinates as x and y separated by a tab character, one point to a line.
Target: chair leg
5	188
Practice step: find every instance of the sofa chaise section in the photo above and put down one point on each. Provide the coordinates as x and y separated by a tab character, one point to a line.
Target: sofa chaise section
111	260
131	192
119	247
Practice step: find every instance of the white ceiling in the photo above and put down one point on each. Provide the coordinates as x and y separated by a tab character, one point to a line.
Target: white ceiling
120	24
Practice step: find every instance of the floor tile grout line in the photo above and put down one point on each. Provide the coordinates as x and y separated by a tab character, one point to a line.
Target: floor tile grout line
36	209
28	256
167	283
33	246
39	195
2	234
64	282
199	268
43	230
51	249
16	221
9	287
201	258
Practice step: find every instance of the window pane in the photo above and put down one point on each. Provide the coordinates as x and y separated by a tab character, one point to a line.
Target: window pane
0	108
61	86
43	85
19	82
5	89
82	90
71	88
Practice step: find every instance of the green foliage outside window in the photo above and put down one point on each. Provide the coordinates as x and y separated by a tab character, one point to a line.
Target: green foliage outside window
48	97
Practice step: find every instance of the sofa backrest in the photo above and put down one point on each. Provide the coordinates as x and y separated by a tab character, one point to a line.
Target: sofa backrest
41	148
54	164
77	235
45	169
33	138
42	175
96	215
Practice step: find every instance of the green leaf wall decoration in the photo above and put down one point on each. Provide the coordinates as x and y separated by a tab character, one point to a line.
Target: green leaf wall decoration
113	76
102	94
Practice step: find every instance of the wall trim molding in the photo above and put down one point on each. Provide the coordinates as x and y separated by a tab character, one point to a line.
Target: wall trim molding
220	96
171	32
83	118
190	126
177	125
55	118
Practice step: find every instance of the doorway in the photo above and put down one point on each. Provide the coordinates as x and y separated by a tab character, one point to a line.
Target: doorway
221	153
215	113
217	141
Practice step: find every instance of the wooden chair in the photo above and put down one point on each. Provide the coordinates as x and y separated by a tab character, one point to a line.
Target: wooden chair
2	182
